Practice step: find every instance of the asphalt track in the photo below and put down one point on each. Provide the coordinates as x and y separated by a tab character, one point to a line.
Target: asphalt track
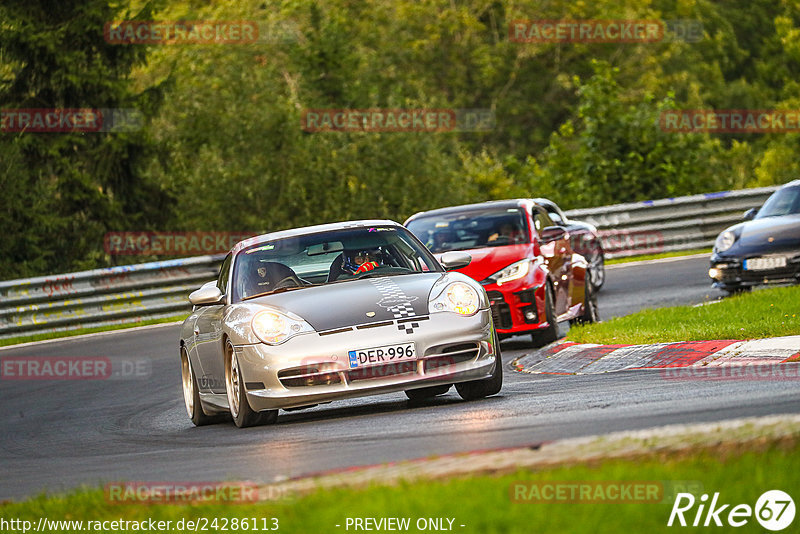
58	435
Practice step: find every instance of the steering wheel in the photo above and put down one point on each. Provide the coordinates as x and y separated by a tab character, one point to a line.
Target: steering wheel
289	281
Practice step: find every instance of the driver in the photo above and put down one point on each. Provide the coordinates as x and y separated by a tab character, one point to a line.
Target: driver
508	233
362	261
440	240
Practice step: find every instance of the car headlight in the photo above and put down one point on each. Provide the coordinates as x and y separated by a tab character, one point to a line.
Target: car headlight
458	297
274	328
724	241
514	271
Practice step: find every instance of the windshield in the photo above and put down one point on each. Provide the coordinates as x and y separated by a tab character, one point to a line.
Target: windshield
490	227
328	257
782	202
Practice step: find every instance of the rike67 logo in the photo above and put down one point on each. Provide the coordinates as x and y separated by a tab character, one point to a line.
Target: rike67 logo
774	510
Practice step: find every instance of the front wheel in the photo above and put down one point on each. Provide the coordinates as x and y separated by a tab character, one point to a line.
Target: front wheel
589	314
598	270
552	332
478	389
738	290
243	415
191	394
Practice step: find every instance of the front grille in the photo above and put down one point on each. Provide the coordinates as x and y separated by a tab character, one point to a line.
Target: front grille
439	359
307	376
501	312
526	296
450	355
735	274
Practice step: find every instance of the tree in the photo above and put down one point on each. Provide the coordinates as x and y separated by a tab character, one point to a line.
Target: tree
63	191
614	151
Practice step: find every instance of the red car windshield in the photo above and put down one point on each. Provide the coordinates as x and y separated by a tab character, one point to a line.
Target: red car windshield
463	230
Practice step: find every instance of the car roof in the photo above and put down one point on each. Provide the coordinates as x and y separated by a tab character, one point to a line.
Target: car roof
543	201
793	183
315	229
510	203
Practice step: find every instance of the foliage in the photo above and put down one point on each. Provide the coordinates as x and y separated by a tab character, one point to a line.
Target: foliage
485	502
63	191
222	147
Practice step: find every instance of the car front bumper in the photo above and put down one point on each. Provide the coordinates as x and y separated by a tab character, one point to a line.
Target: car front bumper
728	273
517	307
314	368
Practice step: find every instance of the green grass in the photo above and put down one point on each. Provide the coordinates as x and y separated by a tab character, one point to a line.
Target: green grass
674	254
80	331
764	313
481	503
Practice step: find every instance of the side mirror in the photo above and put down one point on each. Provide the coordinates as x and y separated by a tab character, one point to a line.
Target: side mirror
553	233
455	260
207	295
750	214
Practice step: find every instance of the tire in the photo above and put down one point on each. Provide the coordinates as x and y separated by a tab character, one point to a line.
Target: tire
191	394
589	306
241	412
478	389
732	291
598	270
427	393
552	332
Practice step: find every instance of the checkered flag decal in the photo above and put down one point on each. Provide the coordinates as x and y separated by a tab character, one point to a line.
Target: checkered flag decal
396	301
408	327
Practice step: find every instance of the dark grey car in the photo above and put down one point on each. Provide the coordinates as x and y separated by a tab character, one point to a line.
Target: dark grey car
762	250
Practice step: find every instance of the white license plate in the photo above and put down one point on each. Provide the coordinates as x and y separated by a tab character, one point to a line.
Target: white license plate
380	355
764	264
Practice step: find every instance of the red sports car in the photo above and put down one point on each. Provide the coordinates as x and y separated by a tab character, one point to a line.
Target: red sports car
524	261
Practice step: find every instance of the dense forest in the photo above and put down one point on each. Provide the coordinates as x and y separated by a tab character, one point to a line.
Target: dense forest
221	146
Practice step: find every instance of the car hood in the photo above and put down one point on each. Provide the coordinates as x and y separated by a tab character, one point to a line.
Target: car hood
487	261
343	304
754	236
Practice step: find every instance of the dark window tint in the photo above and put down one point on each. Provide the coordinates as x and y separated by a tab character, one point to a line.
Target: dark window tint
224	274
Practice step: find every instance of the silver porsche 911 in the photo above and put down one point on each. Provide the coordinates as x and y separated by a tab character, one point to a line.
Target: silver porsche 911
312	315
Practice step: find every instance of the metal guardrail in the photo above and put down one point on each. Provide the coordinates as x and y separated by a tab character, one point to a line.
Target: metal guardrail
125	294
132	293
671	224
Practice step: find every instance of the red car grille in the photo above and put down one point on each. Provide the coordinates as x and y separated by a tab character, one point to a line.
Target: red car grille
501	312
